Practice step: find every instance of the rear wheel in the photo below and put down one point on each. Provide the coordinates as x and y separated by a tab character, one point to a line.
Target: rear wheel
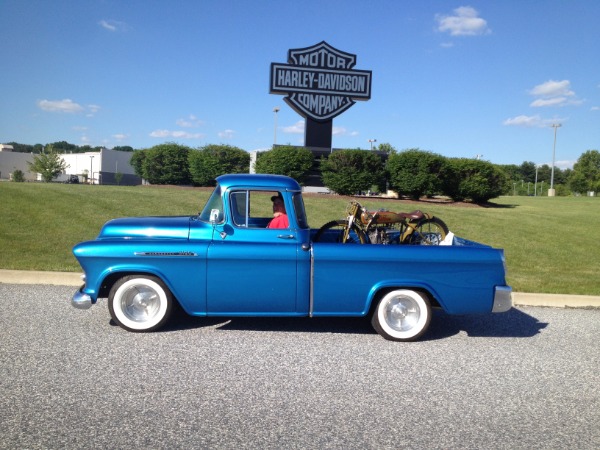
428	232
334	232
140	303
402	315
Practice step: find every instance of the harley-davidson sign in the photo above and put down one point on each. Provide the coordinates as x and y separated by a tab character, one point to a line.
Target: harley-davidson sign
319	81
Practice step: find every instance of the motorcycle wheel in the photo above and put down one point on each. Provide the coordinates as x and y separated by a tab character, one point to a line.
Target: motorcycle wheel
428	232
334	232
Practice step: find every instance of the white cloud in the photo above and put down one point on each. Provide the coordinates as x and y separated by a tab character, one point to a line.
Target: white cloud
120	136
554	93
595	108
338	131
226	134
541	102
160	133
66	106
464	22
532	121
297	128
190	122
525	121
564	164
553	88
113	25
176	134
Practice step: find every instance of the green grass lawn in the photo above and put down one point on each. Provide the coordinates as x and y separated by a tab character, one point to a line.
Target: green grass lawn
551	244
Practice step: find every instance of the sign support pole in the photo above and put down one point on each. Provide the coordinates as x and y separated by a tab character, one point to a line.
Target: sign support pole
318	134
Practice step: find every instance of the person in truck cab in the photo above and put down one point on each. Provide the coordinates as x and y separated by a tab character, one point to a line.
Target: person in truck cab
280	218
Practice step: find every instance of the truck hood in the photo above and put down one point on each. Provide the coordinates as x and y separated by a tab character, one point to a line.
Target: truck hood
147	227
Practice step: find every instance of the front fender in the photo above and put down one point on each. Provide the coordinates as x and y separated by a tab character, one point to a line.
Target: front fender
181	265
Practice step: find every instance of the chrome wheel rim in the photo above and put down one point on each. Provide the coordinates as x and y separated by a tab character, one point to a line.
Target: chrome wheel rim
402	313
140	303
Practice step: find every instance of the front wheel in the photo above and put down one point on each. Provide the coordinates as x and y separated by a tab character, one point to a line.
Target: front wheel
428	232
402	315
334	232
140	303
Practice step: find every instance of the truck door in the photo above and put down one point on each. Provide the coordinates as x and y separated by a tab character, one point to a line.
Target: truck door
251	269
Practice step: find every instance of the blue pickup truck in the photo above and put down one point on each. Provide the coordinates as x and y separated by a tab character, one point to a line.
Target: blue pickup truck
226	261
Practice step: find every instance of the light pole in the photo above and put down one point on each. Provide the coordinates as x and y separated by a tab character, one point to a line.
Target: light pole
371	141
275	110
551	191
535	189
91	169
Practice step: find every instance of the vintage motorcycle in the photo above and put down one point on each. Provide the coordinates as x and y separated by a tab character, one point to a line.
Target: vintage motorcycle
383	227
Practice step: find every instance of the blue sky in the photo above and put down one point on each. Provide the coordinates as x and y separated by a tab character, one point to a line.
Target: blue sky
460	78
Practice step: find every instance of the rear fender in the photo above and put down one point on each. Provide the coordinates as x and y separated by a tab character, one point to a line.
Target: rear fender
386	286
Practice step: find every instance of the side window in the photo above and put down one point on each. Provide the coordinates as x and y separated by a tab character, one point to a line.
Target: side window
239	207
251	208
300	211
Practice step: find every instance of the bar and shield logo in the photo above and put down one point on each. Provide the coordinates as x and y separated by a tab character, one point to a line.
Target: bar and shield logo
319	81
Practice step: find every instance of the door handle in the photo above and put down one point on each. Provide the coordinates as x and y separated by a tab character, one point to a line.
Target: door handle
286	236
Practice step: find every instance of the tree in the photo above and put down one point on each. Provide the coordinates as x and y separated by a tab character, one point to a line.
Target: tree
164	164
527	172
415	172
18	176
348	172
386	147
295	162
586	172
48	164
137	162
208	162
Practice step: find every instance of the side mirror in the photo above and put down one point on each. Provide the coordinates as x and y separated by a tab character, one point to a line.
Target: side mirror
214	216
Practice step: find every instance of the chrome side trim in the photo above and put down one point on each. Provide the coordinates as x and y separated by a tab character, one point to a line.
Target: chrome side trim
312	282
165	254
502	299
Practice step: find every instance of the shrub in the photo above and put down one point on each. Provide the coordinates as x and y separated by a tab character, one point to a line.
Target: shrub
348	172
208	162
295	162
473	179
164	164
18	176
416	172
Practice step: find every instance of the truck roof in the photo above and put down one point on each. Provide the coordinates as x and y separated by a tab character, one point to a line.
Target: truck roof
259	180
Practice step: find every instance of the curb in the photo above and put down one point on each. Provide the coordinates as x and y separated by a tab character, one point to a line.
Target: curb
519	298
39	277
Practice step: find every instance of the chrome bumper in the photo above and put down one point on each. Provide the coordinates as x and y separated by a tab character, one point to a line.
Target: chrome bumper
81	300
502	299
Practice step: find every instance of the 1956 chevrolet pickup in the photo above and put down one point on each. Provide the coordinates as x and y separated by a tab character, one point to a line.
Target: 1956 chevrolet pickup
225	261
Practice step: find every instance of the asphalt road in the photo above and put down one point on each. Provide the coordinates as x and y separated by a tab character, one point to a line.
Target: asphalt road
525	379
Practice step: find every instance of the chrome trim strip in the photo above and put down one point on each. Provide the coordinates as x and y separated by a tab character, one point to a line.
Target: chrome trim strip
312	280
165	254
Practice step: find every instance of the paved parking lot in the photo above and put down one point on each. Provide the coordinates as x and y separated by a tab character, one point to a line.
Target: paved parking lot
69	379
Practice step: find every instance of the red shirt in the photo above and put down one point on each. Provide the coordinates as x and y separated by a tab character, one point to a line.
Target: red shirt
279	222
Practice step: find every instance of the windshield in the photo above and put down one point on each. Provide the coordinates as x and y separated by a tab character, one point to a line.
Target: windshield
214	202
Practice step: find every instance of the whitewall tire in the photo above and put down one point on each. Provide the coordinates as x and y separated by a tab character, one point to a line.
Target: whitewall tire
402	315
140	303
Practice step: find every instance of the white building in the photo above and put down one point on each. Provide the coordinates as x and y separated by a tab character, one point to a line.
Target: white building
103	167
11	161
